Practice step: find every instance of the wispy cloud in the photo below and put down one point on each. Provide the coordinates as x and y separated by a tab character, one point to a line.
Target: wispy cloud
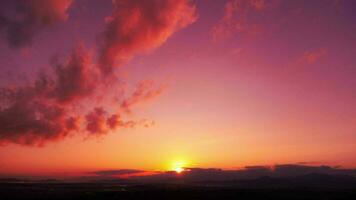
235	18
312	56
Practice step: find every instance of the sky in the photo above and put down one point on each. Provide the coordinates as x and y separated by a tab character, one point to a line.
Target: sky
89	85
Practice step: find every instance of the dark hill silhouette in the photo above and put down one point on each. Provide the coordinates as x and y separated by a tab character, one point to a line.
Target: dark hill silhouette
280	182
313	180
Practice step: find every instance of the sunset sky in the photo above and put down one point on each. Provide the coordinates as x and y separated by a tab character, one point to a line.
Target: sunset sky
133	84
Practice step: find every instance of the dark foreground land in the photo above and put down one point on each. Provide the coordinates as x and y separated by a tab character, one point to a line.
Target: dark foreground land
82	191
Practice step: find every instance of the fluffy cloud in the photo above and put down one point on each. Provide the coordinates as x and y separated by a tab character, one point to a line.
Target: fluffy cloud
76	78
47	109
113	121
40	112
99	122
96	122
30	121
34	16
138	26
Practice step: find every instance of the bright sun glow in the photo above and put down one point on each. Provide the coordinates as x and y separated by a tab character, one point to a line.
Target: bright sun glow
179	169
178	166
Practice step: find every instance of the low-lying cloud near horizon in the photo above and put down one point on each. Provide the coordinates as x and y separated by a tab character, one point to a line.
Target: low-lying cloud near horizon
216	174
46	110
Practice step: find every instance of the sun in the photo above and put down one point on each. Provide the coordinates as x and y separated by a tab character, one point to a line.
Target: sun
178	166
179	169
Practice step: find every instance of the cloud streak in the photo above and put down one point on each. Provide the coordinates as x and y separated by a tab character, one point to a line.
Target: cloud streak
145	90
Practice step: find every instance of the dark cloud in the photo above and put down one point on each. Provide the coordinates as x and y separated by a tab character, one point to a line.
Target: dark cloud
96	123
40	112
100	122
216	175
117	172
295	170
72	123
31	122
30	17
113	121
137	26
76	78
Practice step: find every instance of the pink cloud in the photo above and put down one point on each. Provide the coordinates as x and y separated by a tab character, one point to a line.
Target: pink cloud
144	91
46	109
258	4
32	122
49	11
40	112
76	78
235	18
96	122
137	26
113	121
310	57
43	111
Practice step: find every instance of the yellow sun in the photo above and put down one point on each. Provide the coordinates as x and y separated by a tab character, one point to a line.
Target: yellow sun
178	166
179	169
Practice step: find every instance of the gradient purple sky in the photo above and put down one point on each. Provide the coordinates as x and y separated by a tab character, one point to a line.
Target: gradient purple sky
243	83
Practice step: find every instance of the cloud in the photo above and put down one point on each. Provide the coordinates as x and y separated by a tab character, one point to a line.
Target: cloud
117	172
35	15
76	78
72	80
40	112
51	107
137	26
227	24
235	18
31	122
221	176
72	123
310	57
258	4
145	90
96	122
99	122
113	121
